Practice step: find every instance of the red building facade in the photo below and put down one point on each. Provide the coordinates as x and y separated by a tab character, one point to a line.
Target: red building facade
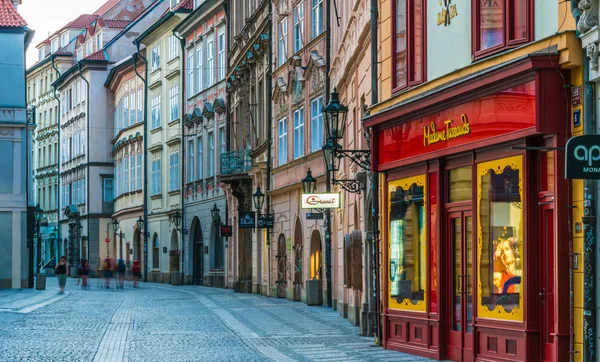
474	209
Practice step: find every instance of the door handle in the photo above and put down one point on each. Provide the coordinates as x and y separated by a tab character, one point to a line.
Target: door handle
542	295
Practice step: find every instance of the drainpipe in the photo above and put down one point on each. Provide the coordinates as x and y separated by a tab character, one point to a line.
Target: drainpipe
145	190
327	173
182	147
269	136
58	161
227	139
87	176
375	175
589	229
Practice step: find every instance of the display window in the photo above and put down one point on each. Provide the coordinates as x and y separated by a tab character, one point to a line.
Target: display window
407	244
500	244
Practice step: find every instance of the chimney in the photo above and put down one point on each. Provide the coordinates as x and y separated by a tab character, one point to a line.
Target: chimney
16	3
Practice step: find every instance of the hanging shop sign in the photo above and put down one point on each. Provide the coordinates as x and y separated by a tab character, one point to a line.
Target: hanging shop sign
314	216
226	231
448	12
321	201
246	220
265	221
582	157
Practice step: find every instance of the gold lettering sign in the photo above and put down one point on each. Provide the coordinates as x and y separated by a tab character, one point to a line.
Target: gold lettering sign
431	135
448	12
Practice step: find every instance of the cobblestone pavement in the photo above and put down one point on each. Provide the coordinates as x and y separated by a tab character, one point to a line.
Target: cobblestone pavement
164	323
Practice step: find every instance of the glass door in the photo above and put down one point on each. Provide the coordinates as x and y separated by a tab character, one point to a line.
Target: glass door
547	292
460	237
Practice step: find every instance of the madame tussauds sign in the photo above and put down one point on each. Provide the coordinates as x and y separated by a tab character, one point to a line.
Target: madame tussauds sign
431	134
582	157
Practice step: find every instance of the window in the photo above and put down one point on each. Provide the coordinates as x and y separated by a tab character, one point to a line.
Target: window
282	41
199	79
99	41
501	24
139	106
126	174
155	252
64	39
199	157
210	64
222	141
190	70
132	112
125	111
500	239
190	162
174	102
221	58
408	244
139	171
89	48
42	54
174	3
298	26
317	18
409	46
132	170
77	91
155	58
54	45
156	112
282	142
211	155
156	176
173	47
174	171
299	133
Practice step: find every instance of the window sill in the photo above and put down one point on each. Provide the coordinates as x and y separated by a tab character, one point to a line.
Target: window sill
156	130
156	197
173	122
174	192
173	60
154	71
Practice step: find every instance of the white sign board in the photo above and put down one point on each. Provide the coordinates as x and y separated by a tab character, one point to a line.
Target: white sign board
321	201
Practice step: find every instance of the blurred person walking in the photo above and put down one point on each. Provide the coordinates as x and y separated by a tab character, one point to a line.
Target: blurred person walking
108	271
61	272
121	269
84	271
136	268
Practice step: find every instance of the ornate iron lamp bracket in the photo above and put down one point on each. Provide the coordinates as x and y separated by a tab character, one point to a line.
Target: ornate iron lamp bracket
353	186
362	158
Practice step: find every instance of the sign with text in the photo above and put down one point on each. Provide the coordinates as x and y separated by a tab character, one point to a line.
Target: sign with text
265	222
582	157
314	216
226	231
321	201
247	220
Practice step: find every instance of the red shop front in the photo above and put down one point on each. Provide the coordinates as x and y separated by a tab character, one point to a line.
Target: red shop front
473	250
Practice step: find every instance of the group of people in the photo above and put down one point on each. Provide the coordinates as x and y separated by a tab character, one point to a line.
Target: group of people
109	269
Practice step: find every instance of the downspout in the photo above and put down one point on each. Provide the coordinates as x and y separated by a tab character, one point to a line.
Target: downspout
375	175
327	173
227	139
182	160
28	180
145	190
87	139
269	136
58	161
589	228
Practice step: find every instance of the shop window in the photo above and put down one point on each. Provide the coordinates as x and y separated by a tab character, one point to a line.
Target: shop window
501	24
460	184
407	244
500	239
433	240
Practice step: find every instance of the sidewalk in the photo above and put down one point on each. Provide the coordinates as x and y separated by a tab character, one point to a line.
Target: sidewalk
28	300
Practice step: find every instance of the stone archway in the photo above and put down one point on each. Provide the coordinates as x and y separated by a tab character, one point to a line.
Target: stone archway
298	249
174	255
281	267
316	260
197	241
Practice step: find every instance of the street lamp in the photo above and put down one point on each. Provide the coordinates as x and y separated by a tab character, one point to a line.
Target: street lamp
140	223
330	154
215	213
309	183
115	225
259	199
335	117
177	219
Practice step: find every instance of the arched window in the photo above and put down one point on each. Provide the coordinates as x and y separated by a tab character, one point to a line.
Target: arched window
155	252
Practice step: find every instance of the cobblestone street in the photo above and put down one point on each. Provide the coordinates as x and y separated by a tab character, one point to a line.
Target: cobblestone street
163	323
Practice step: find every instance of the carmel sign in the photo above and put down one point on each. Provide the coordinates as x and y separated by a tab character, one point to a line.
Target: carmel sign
321	201
431	135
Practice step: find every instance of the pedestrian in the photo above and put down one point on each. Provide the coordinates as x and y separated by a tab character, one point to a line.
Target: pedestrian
136	272
84	271
108	272
61	272
121	269
79	276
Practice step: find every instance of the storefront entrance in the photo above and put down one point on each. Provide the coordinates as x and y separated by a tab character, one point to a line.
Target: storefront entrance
460	240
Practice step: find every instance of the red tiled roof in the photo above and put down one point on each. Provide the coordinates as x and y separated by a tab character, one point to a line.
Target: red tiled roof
81	22
121	24
9	17
106	7
99	55
185	5
63	52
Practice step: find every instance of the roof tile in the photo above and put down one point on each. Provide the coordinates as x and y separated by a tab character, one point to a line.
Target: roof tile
185	5
9	17
120	24
99	55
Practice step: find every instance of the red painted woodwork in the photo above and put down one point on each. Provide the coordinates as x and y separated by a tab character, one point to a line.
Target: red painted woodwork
505	112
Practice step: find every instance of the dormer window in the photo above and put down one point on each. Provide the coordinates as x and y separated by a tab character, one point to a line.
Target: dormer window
54	45
79	53
89	46
42	53
99	40
64	39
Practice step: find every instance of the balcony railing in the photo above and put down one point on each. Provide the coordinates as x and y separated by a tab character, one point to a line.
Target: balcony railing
235	162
